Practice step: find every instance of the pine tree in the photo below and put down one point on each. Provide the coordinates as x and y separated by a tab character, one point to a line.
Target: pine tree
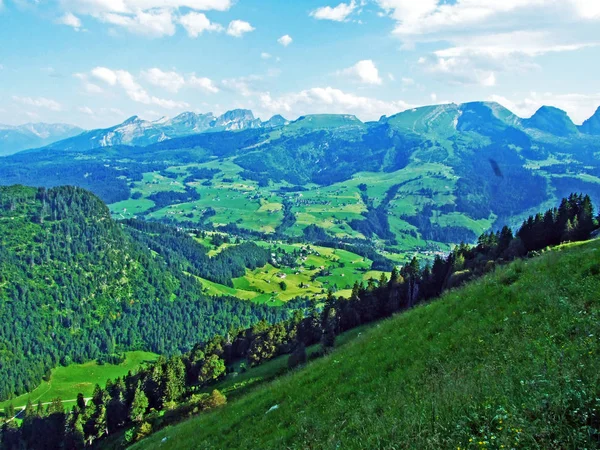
74	436
39	412
329	328
100	423
9	411
80	402
139	405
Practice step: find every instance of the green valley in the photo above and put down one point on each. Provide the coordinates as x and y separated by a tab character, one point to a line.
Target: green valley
419	181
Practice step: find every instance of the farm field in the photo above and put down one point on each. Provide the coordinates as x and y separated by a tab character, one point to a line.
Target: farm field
315	271
67	382
234	199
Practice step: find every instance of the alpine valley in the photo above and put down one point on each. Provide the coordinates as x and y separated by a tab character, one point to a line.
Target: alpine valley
193	260
416	181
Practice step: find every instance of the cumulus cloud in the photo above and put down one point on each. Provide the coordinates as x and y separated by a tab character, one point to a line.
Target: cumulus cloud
171	81
132	88
131	6
197	23
86	110
155	23
203	83
153	18
265	55
39	102
364	71
483	38
330	100
237	28
285	40
339	13
70	20
89	87
459	70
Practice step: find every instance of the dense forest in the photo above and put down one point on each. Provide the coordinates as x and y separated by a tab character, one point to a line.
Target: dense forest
162	386
76	285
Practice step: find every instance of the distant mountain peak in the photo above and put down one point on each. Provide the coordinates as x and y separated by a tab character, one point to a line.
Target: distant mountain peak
132	119
33	135
551	120
276	121
592	125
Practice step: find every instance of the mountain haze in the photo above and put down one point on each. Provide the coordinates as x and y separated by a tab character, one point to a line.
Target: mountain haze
32	135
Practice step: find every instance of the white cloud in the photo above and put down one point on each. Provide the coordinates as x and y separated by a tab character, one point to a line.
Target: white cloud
265	55
132	88
459	70
339	13
330	100
107	75
153	18
86	110
285	40
482	38
238	28
132	6
407	81
89	87
70	20
171	81
203	83
364	71
240	86
579	106
197	23
39	102
154	23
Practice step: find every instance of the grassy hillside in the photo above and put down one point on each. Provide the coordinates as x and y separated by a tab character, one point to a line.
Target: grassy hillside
509	361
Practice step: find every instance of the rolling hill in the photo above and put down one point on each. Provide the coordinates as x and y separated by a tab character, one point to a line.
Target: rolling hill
508	361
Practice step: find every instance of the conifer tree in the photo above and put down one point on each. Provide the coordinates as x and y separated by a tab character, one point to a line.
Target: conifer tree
139	405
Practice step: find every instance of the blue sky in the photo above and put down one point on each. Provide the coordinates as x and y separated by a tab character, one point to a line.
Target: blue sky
96	62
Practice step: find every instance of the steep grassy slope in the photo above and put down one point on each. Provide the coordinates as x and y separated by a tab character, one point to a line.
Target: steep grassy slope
509	361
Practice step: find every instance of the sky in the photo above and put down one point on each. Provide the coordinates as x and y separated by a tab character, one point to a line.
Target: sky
94	63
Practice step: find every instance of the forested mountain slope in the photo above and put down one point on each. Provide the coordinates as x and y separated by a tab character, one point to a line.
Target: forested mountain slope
508	361
75	285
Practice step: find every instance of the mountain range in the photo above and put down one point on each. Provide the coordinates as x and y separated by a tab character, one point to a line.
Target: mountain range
140	132
420	179
33	135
